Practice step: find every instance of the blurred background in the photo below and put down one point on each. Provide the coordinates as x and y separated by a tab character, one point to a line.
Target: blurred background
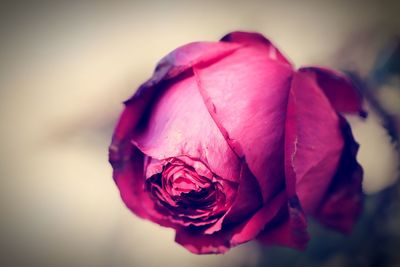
65	68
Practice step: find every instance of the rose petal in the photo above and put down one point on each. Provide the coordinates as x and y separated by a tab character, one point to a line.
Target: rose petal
180	124
128	175
172	65
251	228
313	142
256	39
342	203
199	243
129	178
339	89
290	230
248	199
219	239
219	242
121	149
246	94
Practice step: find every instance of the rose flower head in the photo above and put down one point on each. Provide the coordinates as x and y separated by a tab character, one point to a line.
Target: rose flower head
227	143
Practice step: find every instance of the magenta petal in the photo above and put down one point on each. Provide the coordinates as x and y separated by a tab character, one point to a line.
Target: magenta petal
171	66
219	242
242	223
129	177
256	39
126	160
180	124
198	243
246	94
291	231
313	142
253	226
248	198
192	54
342	203
339	89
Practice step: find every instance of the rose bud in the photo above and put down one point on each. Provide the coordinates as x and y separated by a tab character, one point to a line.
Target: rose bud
227	143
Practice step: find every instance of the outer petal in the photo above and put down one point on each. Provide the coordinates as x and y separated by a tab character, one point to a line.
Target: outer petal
128	175
242	223
127	165
289	229
246	95
251	228
176	63
248	200
256	39
313	142
219	242
124	157
179	124
199	243
342	203
339	89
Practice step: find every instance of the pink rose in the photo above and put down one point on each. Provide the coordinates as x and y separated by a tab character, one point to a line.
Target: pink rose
227	142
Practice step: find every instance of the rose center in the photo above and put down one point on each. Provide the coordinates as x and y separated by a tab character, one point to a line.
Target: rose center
186	194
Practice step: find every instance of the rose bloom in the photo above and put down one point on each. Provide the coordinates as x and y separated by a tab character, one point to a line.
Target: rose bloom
227	143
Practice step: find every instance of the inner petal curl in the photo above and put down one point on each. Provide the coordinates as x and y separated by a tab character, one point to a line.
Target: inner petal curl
188	193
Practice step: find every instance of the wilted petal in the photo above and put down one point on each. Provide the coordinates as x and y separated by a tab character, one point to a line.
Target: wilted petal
256	39
199	243
171	66
248	198
342	203
247	201
126	160
128	175
219	242
252	227
339	89
289	229
179	124
313	142
246	94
